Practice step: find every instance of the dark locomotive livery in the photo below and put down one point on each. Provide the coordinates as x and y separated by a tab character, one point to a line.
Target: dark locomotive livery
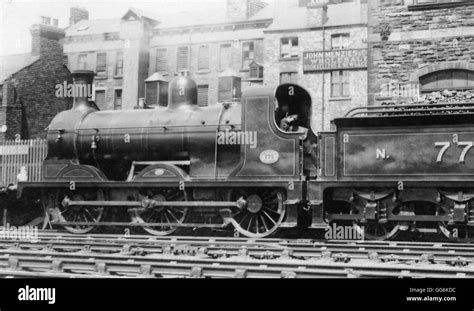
240	165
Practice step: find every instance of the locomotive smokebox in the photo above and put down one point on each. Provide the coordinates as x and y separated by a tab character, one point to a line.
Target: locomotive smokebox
182	91
83	88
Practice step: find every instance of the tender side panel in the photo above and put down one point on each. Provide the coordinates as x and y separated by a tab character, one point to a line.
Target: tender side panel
411	153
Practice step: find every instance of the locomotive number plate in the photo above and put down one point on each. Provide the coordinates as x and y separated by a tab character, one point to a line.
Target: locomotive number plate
269	157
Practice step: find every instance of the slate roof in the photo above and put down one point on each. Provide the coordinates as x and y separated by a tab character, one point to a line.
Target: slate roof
11	64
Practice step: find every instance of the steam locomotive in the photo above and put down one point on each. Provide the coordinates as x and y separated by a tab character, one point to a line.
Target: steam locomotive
233	165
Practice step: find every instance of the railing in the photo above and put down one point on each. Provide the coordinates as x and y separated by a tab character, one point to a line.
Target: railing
21	160
412	109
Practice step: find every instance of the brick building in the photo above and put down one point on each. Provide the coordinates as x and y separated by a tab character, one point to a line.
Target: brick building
258	42
28	84
140	45
420	47
231	40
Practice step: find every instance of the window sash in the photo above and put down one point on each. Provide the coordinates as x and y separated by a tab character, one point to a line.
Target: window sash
289	47
161	63
183	58
288	77
100	98
453	79
225	56
118	99
340	86
119	64
203	95
340	41
82	61
101	65
248	53
203	58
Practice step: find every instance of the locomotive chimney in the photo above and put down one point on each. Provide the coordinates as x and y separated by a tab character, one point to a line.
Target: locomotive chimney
82	89
182	91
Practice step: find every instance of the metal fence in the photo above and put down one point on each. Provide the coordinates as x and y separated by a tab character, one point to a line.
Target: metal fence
21	160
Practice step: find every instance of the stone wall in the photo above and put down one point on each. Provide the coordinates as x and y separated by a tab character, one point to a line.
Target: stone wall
325	108
404	42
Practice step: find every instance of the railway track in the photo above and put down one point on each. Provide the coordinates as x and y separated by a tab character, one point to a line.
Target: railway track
57	254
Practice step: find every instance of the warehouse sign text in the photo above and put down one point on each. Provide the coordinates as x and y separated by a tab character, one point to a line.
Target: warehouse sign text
335	60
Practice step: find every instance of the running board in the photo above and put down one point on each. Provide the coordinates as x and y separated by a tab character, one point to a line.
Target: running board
139	224
150	203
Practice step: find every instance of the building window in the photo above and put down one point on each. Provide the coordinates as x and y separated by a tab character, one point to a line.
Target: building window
161	64
289	77
65	60
119	64
110	36
340	41
289	47
118	100
203	57
55	22
340	83
248	53
82	61
225	56
435	4
46	20
256	70
100	98
455	79
203	95
183	58
101	65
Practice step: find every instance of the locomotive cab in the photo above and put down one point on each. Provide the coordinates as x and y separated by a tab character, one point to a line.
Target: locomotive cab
293	109
293	114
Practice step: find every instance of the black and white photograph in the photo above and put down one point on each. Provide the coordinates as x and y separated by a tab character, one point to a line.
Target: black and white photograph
150	142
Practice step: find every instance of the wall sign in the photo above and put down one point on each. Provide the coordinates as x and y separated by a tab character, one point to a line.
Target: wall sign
335	60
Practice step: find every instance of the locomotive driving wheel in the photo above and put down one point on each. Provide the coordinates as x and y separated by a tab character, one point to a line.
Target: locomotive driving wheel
378	231
368	230
64	213
455	233
164	214
262	213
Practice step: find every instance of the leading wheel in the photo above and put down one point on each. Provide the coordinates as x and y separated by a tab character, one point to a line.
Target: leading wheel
378	231
79	214
262	214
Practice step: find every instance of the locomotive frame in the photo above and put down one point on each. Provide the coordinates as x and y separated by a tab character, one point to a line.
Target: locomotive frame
177	174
